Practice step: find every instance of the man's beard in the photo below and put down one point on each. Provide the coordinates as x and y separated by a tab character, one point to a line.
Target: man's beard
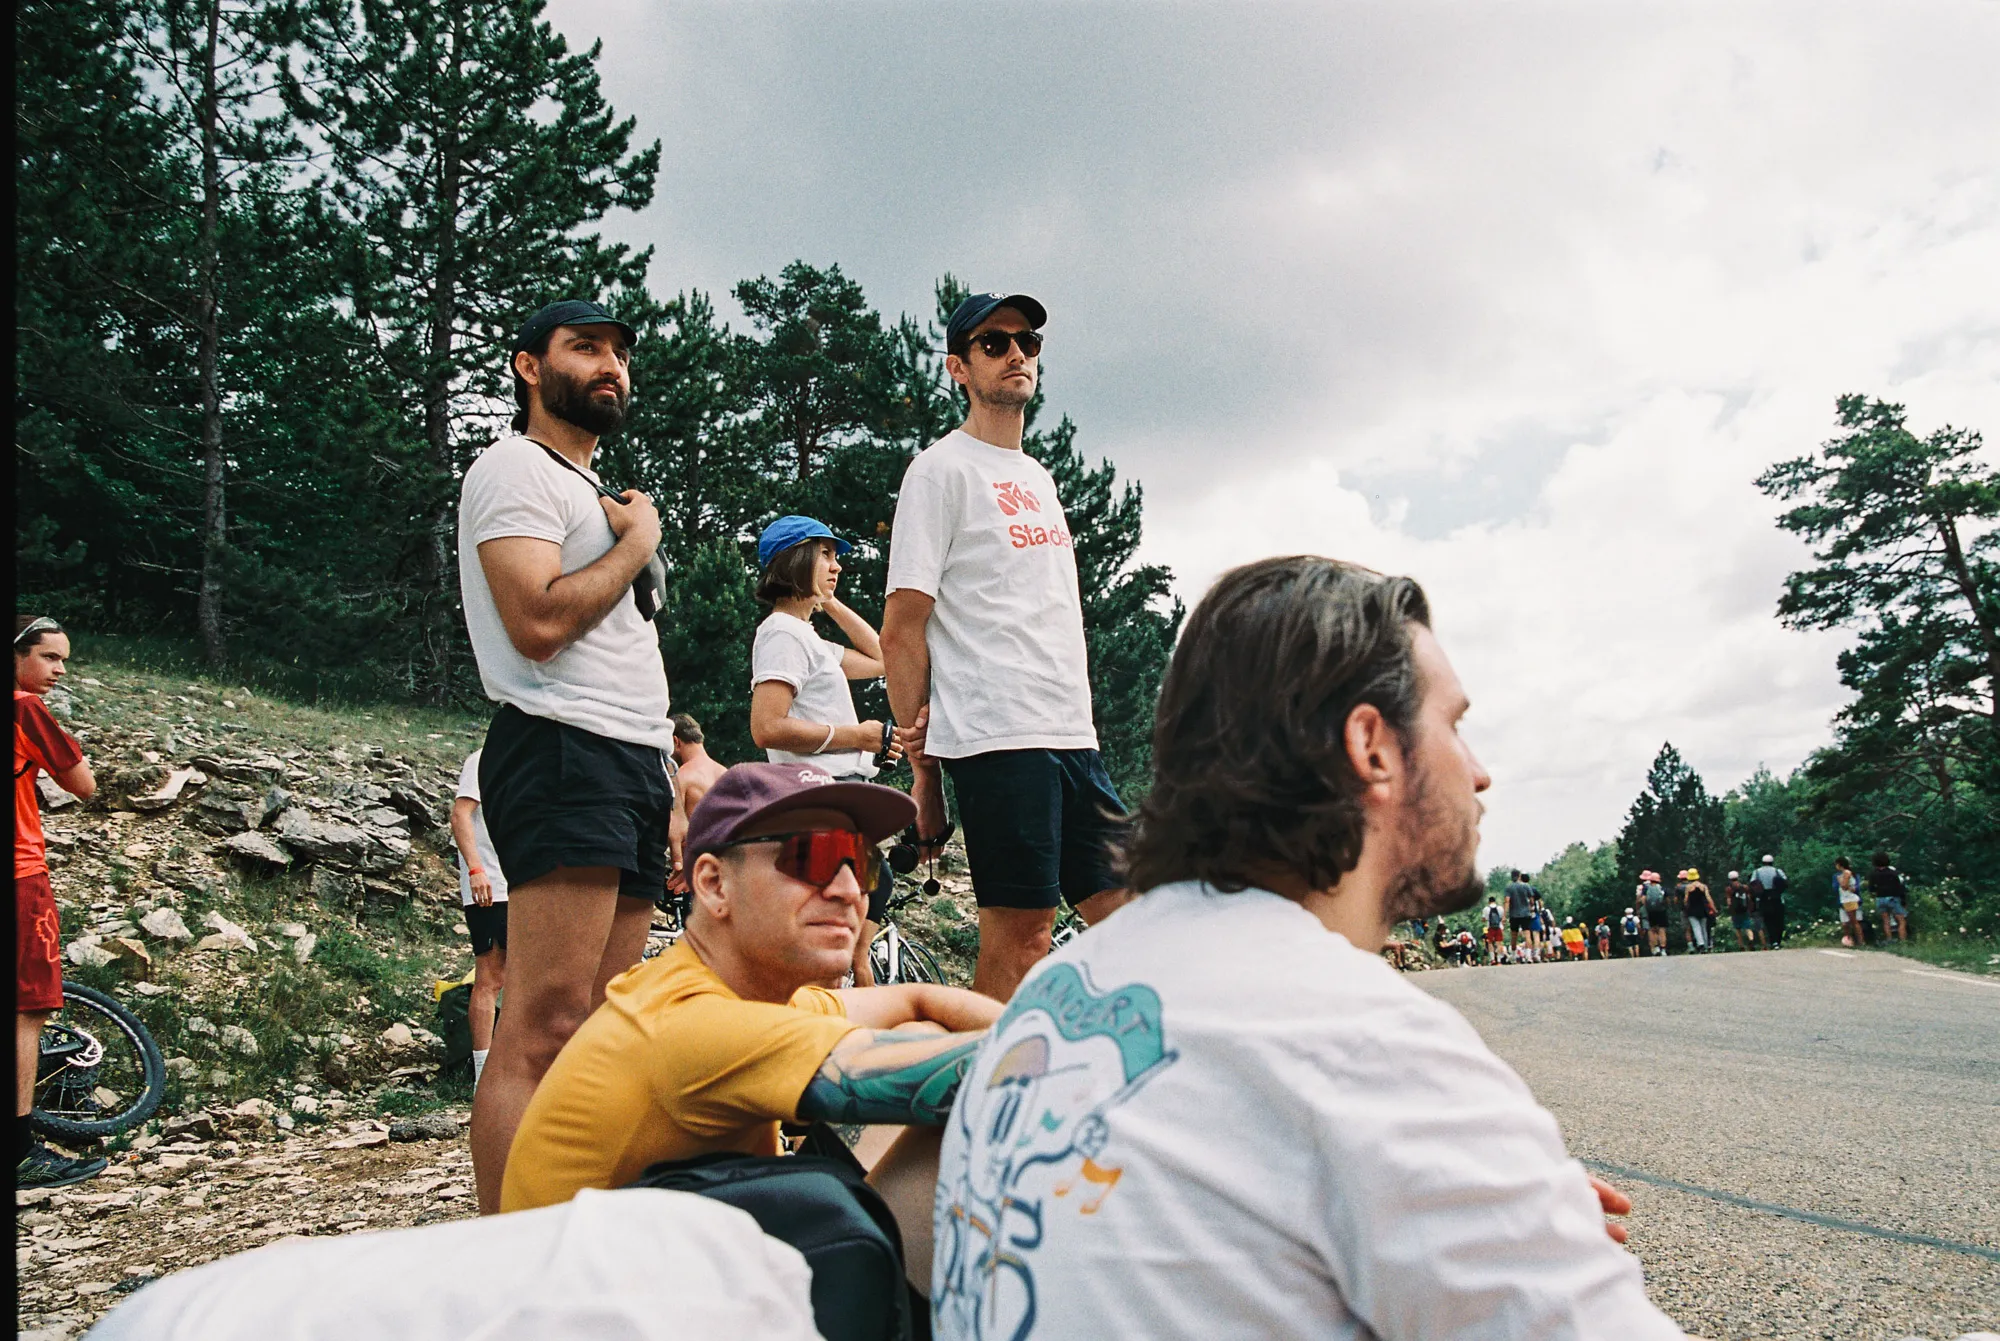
1442	876
1006	396
575	402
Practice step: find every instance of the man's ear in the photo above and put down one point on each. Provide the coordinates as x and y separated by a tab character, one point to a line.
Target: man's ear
706	881
955	368
1373	749
529	367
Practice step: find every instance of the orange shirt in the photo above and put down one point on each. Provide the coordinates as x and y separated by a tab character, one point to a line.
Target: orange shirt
39	744
672	1065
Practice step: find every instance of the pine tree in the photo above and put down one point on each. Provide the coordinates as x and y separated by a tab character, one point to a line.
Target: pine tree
213	66
468	149
104	492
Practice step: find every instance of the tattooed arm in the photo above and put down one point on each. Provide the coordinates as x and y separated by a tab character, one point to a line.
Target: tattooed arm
905	1075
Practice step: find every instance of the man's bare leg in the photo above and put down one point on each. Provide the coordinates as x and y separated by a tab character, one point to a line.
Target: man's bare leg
626	944
1102	904
1011	941
27	1055
489	971
864	967
559	932
906	1178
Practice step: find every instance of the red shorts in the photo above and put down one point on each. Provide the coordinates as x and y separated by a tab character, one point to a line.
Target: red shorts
37	945
1493	933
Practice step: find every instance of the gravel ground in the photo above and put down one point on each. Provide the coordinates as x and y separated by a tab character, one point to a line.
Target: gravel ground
1857	1087
79	1251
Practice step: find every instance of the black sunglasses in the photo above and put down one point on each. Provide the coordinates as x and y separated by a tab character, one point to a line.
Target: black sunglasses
994	343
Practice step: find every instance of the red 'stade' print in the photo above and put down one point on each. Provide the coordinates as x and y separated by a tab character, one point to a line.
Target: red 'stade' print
1012	498
1026	537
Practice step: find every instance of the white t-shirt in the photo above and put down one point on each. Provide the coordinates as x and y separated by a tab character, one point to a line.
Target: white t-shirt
789	650
482	841
560	1273
1212	1117
610	681
979	529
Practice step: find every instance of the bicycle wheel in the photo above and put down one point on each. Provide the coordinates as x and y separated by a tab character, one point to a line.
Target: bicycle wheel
912	962
100	1071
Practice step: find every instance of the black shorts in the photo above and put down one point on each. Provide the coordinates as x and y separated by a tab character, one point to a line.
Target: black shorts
1040	826
1521	923
488	926
556	795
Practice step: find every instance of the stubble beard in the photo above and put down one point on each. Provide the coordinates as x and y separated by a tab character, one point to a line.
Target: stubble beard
1006	396
565	397
1443	876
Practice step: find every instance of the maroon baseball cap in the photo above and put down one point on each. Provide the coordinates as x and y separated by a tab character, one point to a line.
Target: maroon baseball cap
747	793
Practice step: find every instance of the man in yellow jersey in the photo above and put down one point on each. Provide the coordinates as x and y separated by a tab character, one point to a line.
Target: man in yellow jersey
733	1030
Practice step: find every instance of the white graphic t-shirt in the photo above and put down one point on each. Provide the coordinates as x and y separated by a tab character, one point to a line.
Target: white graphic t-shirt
789	650
979	529
610	681
482	841
1212	1117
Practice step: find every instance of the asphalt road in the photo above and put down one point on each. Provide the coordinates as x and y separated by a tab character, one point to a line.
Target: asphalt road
1792	1127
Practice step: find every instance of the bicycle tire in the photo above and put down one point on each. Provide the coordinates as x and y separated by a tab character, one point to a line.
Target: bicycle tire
128	1049
916	964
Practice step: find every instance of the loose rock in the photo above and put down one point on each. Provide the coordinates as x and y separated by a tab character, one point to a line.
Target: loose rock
165	924
258	850
429	1127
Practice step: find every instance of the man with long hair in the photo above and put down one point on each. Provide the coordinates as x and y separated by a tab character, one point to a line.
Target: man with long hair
1220	1112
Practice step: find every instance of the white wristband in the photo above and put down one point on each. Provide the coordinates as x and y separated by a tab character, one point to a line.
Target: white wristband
828	741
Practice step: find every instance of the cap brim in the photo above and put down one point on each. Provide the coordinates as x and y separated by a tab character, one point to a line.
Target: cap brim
878	811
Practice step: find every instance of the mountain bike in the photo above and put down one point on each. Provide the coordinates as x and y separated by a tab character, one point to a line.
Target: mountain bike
894	956
100	1071
669	921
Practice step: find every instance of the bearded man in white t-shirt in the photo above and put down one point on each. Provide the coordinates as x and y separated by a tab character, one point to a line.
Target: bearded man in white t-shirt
1222	1113
575	777
982	637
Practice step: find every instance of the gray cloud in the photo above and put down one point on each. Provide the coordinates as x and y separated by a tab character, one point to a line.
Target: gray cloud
1518	299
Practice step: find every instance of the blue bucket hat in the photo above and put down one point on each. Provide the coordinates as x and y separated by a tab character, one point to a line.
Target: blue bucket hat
786	532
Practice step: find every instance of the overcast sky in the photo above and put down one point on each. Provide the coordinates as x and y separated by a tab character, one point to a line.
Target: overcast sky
1517	300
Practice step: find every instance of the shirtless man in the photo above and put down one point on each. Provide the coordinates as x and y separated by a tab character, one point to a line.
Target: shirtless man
697	770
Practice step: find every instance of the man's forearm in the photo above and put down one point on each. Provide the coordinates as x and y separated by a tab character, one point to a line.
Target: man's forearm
461	835
579	601
883	1076
957	1009
906	665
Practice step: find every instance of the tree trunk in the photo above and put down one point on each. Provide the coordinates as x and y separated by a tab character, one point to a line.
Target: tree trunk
208	607
440	632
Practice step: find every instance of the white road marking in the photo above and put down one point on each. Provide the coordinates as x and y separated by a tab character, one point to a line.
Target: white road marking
1838	954
1953	977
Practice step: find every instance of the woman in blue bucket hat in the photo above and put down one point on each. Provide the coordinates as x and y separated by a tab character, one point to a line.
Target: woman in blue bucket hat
800	707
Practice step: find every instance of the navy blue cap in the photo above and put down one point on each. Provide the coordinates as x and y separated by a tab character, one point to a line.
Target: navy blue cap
568	312
786	532
966	318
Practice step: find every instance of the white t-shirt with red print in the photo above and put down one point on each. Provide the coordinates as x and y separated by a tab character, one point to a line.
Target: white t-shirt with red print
980	530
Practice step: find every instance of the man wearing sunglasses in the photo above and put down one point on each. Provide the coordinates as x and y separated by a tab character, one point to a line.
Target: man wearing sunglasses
734	1030
984	628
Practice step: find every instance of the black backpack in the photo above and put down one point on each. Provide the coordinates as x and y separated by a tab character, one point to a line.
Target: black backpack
819	1202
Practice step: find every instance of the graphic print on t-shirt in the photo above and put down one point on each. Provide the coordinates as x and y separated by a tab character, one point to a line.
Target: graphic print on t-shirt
1061	1057
1013	497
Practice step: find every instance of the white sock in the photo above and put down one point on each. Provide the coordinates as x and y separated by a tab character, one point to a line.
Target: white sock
478	1065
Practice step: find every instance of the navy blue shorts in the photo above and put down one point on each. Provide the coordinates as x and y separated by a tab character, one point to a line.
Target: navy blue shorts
556	795
487	926
1040	826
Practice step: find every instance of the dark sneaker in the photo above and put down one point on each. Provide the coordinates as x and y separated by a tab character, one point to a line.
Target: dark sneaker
43	1167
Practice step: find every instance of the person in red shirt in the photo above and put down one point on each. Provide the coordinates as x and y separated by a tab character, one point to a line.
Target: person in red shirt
40	650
